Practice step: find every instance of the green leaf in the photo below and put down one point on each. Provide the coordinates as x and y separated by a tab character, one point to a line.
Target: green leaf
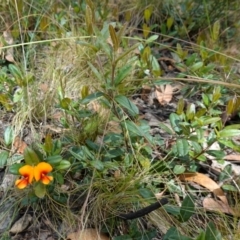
16	158
226	133
205	99
3	158
182	147
91	97
18	95
231	144
97	164
63	165
180	52
226	173
113	153
65	102
180	106
30	156
219	154
54	160
201	236
190	113
229	187
210	120
216	94
191	59
48	144
187	209
155	66
14	169
179	169
146	193
146	30
96	72
8	136
212	233
230	106
148	13
170	21
196	146
122	74
196	66
58	177
16	74
174	234
133	128
84	91
145	162
174	210
40	190
215	31
152	38
57	147
233	126
127	104
200	112
175	120
166	128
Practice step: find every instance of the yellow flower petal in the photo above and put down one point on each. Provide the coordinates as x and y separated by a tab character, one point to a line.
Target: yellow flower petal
46	179
21	183
27	172
41	171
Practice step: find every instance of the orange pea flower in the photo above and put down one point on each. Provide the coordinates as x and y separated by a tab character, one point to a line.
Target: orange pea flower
27	173
41	171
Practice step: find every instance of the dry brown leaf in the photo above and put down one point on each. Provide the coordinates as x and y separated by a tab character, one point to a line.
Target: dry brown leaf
9	40
164	94
44	87
117	174
114	126
159	195
232	157
206	182
19	145
9	57
216	205
21	224
87	234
